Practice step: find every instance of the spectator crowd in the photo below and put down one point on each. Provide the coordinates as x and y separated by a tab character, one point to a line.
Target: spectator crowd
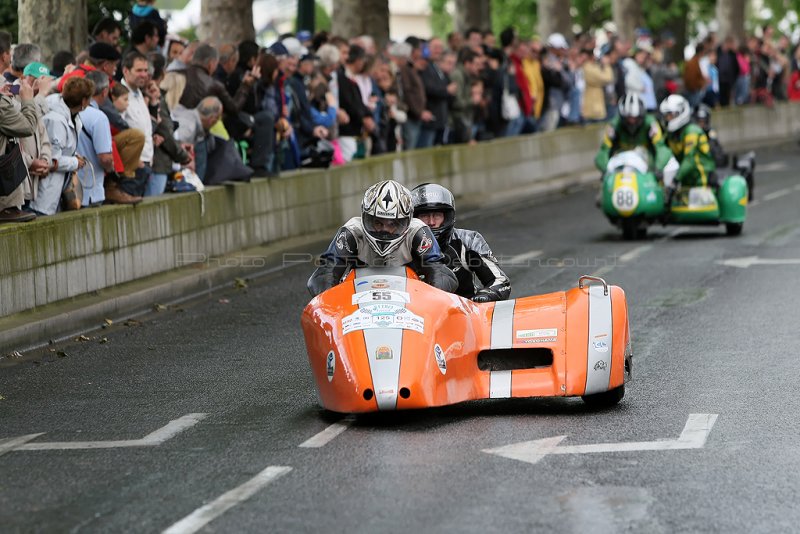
114	124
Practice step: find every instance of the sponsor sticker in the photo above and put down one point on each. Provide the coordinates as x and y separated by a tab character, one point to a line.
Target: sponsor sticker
600	366
330	364
382	316
341	243
542	332
373	297
386	391
438	353
380	283
383	353
425	245
540	340
600	346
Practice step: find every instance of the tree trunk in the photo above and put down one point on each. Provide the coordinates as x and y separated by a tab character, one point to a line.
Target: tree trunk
351	18
226	21
554	16
473	14
627	17
54	25
731	15
376	21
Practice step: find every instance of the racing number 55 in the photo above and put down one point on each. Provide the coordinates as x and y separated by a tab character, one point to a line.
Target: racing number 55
381	295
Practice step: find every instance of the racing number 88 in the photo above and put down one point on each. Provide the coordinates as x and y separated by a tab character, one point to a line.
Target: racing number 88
625	197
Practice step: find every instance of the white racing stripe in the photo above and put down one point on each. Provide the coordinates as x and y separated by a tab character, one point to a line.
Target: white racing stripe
503	324
500	385
205	514
598	361
327	435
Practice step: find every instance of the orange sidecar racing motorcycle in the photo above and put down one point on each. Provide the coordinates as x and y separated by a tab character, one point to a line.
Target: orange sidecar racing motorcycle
384	340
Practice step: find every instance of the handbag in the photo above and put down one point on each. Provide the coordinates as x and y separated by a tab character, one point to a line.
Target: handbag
72	193
12	169
510	106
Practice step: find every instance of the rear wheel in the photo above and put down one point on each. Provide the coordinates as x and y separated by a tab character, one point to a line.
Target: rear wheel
733	228
606	399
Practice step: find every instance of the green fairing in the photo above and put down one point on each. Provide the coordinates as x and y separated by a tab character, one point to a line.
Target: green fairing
691	148
648	136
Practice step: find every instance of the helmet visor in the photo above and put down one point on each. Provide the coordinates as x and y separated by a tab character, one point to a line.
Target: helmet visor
385	229
632	124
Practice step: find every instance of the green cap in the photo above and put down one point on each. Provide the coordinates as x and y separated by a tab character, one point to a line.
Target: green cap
36	70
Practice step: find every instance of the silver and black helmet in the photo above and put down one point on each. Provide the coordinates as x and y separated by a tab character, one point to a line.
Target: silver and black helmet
434	197
386	214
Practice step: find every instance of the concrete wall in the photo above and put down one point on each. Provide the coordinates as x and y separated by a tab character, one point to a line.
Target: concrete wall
57	258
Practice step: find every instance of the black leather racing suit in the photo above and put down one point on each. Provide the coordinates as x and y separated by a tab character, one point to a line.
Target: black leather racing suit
470	258
350	248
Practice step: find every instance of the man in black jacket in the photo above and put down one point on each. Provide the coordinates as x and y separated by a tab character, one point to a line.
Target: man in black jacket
439	90
728	67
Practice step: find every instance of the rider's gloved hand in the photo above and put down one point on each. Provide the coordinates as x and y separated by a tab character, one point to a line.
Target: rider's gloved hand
485	295
659	176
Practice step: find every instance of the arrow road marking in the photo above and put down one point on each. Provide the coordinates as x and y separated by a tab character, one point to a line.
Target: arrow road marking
9	444
744	263
694	436
170	430
205	514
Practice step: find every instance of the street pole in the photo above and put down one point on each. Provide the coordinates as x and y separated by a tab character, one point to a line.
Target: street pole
305	15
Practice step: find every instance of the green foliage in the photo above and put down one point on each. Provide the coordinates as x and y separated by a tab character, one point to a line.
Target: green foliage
190	33
97	9
8	16
322	21
520	14
591	13
441	21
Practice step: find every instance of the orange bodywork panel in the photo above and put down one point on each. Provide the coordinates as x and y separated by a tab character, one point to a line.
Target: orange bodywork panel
384	340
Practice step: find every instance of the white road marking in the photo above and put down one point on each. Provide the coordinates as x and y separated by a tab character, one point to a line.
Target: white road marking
602	271
694	435
744	263
523	258
170	430
773	167
327	435
635	253
9	444
753	203
205	514
776	194
797	187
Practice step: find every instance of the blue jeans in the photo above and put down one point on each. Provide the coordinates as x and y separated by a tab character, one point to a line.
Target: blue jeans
411	130
514	126
155	185
741	90
426	138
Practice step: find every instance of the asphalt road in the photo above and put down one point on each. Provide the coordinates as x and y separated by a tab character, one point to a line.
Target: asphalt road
708	338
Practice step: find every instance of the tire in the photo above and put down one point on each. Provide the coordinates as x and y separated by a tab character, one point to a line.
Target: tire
733	229
630	229
606	399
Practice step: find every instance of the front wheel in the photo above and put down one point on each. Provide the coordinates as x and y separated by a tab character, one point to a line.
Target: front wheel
733	229
630	229
606	399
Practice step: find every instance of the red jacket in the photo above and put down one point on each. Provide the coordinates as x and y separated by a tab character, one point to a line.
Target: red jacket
522	83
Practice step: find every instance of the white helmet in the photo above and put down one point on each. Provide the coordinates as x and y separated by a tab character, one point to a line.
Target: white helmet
632	112
386	213
676	112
